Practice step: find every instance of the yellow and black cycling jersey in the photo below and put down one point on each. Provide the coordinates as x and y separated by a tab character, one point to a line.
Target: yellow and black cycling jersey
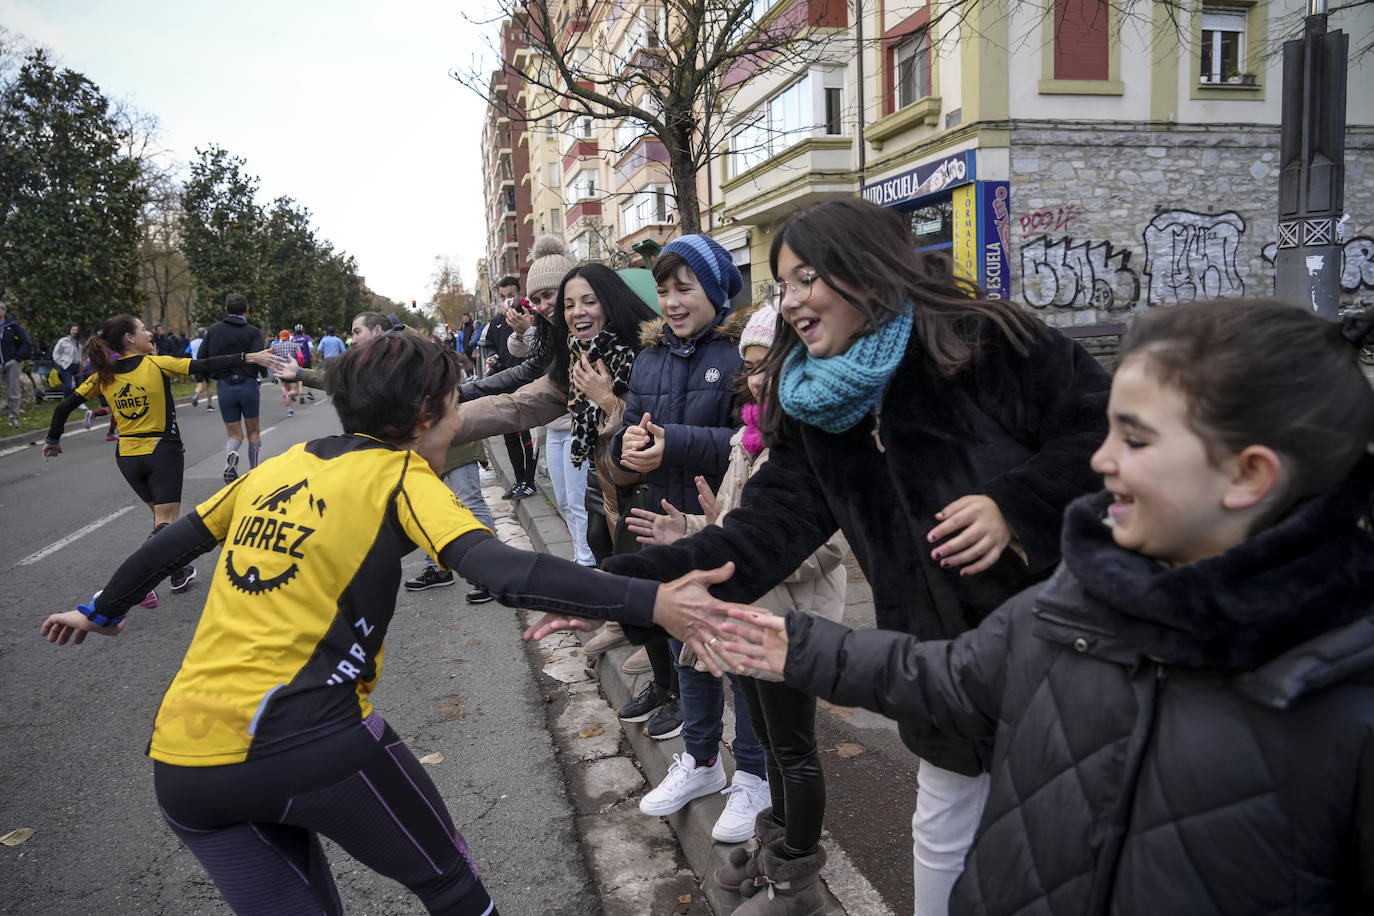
141	398
290	642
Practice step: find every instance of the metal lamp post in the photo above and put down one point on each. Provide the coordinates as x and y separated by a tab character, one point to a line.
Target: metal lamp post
1312	166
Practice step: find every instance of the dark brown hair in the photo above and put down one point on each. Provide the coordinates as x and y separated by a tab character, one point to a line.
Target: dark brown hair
869	248
236	303
1262	372
387	387
623	308
105	345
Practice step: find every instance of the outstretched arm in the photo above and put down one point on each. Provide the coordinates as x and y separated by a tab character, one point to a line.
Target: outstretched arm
535	404
157	557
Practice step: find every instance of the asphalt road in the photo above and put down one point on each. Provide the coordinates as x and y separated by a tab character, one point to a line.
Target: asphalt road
76	719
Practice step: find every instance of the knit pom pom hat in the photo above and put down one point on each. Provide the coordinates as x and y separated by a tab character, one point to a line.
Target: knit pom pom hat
759	330
715	269
549	263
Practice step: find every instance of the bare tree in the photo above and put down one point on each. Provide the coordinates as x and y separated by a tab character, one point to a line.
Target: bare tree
451	300
672	72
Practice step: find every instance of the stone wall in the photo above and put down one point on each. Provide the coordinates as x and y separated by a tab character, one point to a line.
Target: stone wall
1107	220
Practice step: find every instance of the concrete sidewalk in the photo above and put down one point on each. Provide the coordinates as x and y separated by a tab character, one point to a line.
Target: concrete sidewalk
867	836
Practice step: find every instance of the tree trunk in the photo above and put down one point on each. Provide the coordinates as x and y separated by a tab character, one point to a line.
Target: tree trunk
683	172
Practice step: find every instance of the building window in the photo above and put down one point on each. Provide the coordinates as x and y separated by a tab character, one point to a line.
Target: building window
1081	34
834	111
586	246
648	207
554	168
584	128
584	185
1223	48
759	8
626	133
912	59
556	221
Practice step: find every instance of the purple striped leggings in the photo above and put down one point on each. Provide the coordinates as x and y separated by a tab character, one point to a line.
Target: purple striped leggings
255	826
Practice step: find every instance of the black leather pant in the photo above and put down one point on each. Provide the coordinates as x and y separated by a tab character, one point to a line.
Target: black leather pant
784	720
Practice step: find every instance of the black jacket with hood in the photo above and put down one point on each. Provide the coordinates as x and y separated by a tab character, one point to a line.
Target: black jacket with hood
1196	740
1020	429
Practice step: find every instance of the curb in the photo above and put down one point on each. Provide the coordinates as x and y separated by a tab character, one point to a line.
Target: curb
692	825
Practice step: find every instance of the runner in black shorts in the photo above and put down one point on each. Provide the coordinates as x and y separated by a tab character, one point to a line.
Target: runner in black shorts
237	390
266	738
138	387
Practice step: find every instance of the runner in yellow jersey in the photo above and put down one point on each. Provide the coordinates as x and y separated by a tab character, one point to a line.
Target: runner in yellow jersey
138	386
267	738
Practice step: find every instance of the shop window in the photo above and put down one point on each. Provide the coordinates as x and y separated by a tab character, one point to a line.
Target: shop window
1223	48
932	226
912	61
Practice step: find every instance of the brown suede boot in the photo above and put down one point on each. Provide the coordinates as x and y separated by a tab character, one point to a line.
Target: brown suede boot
741	867
788	887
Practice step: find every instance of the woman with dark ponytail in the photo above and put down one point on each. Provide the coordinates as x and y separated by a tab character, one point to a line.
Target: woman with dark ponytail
138	386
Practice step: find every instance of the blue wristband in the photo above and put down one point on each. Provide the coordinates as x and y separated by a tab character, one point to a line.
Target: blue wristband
97	618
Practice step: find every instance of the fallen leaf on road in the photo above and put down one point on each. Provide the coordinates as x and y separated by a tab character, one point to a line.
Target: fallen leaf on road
685	898
551	659
432	760
592	731
842	711
453	709
849	750
474	642
15	837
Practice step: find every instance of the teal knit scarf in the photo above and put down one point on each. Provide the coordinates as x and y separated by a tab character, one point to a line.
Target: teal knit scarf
834	394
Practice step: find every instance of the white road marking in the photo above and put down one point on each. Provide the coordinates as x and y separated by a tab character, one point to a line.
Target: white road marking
75	535
13	449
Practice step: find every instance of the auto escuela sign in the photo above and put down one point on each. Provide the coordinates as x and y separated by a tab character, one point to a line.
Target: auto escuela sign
923	180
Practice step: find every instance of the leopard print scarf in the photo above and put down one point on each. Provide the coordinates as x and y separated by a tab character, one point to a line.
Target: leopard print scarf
618	360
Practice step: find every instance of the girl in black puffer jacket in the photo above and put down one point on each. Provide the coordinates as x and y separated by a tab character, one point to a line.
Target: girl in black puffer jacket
1184	713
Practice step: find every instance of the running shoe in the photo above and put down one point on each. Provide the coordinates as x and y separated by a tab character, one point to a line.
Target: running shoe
181	579
666	722
208	405
231	467
520	491
310	395
478	595
429	578
86	420
290	412
149	601
195	399
111	436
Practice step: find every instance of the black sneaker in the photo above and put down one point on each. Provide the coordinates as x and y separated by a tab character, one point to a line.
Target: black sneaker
510	493
666	722
479	595
521	490
643	706
310	395
430	578
181	579
231	467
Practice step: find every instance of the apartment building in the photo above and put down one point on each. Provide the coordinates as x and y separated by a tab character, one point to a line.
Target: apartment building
1076	159
505	161
1081	157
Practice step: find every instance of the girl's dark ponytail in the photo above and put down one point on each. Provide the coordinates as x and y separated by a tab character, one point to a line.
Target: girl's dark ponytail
104	345
1358	328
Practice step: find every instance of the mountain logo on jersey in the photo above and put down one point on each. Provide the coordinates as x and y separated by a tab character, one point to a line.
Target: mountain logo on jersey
131	401
264	530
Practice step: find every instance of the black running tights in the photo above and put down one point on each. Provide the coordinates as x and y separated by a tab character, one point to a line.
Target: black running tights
255	826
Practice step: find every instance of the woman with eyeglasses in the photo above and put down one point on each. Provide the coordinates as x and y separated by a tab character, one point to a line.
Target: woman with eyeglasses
944	434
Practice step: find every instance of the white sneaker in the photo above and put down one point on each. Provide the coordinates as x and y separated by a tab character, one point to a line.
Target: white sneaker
684	782
748	795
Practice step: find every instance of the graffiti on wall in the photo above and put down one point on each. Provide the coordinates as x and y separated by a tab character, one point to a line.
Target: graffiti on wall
1056	219
1069	274
1188	256
1191	256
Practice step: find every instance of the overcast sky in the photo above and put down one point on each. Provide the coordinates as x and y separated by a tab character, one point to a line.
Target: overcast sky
345	106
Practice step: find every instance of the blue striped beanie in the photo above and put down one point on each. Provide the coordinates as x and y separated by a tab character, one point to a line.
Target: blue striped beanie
716	271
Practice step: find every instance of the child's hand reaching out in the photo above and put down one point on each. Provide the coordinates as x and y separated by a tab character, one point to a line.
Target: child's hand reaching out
977	532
